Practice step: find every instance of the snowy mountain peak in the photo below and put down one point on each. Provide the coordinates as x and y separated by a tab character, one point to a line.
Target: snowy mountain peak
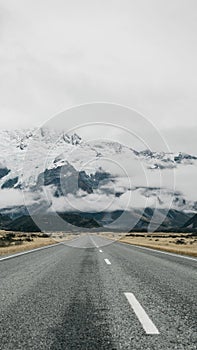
103	170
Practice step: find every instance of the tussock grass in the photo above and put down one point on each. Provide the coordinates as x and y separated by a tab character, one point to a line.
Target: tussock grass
173	242
15	242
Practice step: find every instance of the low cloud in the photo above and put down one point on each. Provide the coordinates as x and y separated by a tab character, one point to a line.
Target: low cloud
14	197
10	198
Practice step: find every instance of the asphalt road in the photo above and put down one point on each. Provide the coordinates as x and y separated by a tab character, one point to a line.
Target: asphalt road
85	296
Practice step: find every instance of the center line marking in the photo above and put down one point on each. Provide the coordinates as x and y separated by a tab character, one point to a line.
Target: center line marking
96	245
100	251
146	322
107	262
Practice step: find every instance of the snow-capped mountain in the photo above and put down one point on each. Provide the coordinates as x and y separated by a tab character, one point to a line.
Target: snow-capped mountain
68	174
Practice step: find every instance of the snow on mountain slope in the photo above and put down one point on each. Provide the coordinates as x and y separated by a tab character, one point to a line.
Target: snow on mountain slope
29	156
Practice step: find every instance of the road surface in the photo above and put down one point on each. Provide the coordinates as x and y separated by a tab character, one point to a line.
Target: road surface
81	295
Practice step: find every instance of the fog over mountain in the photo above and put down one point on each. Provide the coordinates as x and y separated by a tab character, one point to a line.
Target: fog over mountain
51	171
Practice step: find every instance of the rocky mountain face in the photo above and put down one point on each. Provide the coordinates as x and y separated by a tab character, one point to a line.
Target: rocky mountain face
91	184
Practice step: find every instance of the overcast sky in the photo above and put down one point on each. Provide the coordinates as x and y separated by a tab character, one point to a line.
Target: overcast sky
55	54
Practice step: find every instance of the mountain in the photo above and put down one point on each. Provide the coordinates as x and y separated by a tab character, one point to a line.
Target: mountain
26	223
91	184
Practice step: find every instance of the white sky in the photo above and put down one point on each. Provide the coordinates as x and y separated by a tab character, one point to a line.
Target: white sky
55	54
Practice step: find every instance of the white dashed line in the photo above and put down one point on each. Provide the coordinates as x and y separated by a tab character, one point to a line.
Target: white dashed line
146	322
93	241
100	251
107	262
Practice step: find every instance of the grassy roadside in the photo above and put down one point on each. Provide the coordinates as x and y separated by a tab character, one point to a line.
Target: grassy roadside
179	243
15	242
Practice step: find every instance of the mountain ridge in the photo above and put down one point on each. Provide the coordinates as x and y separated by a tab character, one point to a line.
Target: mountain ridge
91	174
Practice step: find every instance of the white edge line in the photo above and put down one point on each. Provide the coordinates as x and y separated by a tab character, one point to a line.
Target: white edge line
107	261
144	319
157	251
30	251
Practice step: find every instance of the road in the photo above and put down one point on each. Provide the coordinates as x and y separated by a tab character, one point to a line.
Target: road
93	294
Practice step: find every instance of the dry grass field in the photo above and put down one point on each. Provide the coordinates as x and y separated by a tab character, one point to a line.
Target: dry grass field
180	243
14	242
